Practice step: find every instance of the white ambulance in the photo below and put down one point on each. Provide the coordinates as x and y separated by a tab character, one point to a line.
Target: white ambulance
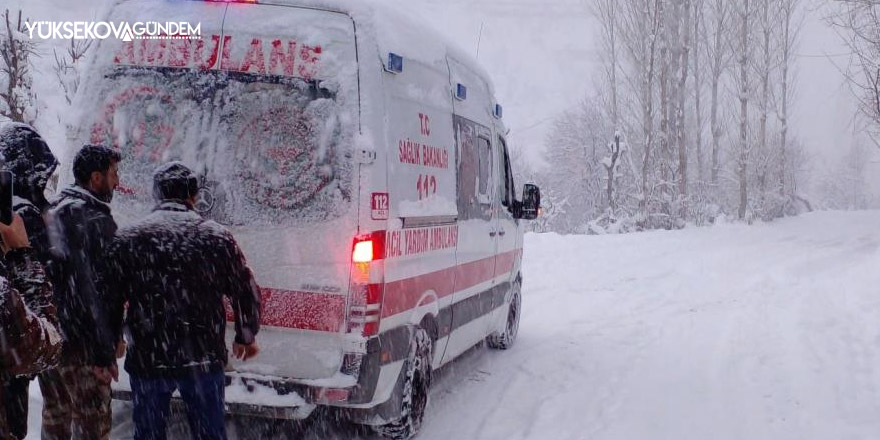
361	163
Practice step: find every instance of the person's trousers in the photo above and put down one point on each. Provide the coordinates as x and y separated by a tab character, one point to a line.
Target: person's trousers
202	394
15	399
76	404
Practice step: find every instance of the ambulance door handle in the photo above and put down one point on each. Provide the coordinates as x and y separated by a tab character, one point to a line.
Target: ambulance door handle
492	233
501	232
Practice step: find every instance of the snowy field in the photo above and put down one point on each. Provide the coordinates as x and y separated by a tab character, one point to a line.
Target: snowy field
732	332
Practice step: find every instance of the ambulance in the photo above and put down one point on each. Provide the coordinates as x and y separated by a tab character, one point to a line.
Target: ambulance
362	165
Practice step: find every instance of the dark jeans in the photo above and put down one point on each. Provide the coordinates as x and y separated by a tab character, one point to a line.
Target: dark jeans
202	394
15	396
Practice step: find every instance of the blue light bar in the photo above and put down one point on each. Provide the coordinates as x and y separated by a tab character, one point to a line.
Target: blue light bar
461	92
395	63
499	111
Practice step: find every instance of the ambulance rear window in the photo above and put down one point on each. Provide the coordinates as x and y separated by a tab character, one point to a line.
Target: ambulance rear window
270	150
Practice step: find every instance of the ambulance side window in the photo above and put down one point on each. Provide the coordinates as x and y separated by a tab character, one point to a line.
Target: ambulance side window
506	191
484	188
474	170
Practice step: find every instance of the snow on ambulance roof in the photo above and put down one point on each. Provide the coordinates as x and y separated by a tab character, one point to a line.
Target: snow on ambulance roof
389	28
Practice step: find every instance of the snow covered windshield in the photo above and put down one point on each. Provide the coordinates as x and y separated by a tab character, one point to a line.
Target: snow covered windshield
271	150
264	106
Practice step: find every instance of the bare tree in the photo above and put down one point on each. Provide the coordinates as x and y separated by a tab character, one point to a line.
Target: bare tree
611	164
744	12
664	159
790	36
67	67
659	55
763	63
17	98
576	172
719	56
606	12
858	23
640	27
684	52
698	89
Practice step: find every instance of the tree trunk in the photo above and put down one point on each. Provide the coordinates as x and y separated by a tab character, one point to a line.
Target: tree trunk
648	107
615	154
717	70
744	114
680	119
613	40
787	43
698	92
665	171
763	154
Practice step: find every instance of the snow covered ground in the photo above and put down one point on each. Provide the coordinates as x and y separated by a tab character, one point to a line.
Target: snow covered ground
732	332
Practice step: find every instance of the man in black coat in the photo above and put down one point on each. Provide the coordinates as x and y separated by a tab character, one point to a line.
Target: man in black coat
174	268
76	395
24	152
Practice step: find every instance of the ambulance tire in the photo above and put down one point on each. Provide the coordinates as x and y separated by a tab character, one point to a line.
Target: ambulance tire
416	385
505	339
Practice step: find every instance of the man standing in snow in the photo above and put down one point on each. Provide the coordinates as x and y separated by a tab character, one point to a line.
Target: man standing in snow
174	268
26	155
77	394
29	337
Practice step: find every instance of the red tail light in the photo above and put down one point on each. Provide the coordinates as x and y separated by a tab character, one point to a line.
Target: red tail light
366	308
365	312
369	248
365	294
363	252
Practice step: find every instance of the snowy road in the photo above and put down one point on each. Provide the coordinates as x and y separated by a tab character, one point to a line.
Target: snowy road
732	332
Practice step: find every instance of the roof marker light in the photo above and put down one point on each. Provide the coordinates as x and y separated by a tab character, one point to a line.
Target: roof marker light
461	92
395	63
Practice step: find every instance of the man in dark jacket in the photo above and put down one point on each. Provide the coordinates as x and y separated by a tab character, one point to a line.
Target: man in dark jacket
29	338
26	155
76	395
174	268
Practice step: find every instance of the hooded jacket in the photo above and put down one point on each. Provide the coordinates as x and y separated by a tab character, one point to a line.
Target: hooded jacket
32	163
24	152
80	229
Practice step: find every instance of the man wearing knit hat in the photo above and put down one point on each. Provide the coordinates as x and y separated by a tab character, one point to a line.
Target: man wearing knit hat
174	268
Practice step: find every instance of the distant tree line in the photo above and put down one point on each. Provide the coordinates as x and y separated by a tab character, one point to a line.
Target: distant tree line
689	122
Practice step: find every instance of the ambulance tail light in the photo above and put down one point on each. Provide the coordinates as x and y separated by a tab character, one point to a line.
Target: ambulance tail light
369	248
363	252
366	309
366	288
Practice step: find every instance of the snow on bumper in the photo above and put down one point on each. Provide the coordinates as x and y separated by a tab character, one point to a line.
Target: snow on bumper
268	397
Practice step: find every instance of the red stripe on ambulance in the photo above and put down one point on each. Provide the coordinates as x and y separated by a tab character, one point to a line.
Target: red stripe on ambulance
404	295
326	312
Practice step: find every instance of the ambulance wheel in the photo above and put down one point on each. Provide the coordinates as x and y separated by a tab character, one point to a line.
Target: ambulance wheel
416	384
505	339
